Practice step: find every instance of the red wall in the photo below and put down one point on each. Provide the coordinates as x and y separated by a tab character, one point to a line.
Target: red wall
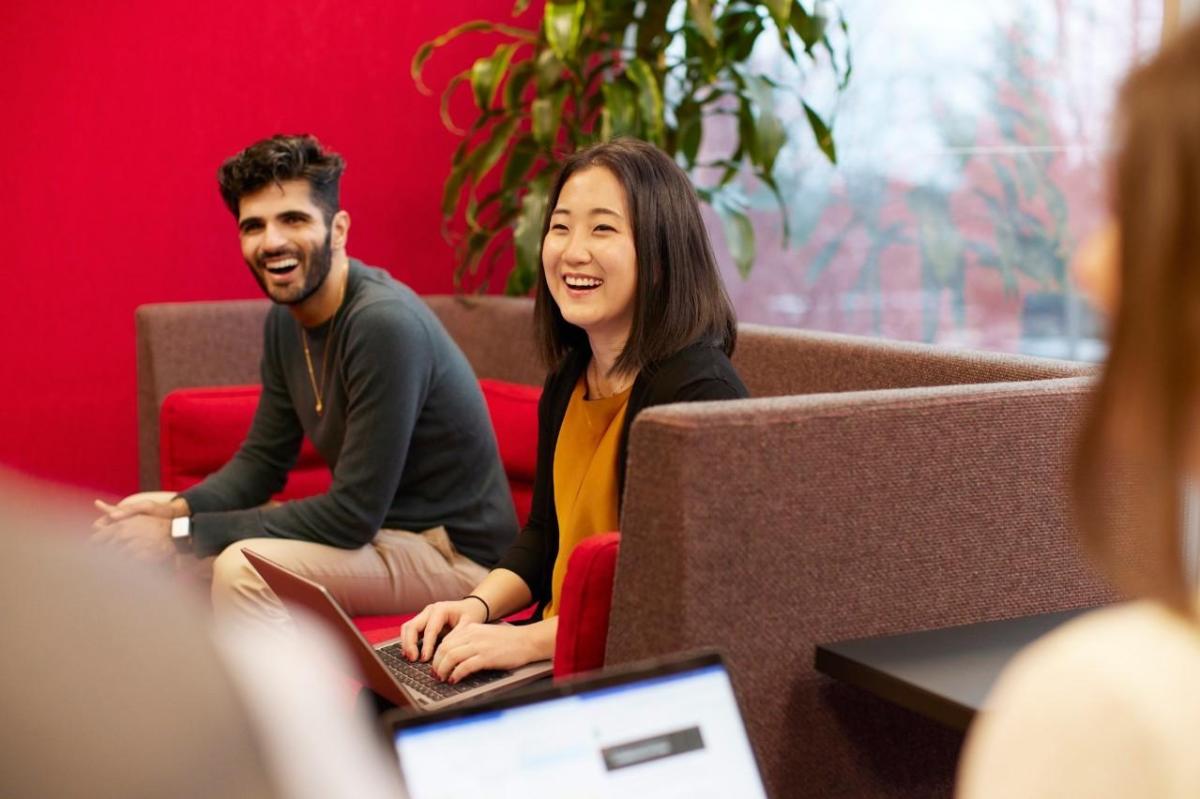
116	118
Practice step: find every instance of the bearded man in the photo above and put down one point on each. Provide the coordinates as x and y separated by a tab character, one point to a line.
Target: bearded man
419	507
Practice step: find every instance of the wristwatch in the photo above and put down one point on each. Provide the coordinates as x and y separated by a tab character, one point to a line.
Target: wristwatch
181	534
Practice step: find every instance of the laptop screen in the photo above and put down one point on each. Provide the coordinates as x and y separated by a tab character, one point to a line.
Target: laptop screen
664	735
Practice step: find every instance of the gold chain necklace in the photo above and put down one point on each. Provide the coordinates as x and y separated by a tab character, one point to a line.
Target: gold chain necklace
319	389
595	378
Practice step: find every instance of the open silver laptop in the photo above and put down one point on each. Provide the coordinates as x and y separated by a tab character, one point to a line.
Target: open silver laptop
659	729
405	683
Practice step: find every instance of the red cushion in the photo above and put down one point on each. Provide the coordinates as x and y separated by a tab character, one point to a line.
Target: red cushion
513	410
201	428
584	607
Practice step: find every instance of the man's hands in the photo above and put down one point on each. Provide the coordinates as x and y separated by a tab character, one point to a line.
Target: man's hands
135	506
472	645
139	527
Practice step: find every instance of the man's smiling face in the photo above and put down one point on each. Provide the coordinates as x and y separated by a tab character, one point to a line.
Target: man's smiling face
285	240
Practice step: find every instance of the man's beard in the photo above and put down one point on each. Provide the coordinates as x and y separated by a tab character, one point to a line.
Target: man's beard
317	267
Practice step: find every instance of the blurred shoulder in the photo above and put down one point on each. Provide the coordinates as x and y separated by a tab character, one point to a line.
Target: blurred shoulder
1106	705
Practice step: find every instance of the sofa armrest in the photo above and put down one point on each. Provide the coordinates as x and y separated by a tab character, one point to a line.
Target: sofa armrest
766	526
583	610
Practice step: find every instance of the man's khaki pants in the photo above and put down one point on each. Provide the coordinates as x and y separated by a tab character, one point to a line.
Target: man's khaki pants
398	572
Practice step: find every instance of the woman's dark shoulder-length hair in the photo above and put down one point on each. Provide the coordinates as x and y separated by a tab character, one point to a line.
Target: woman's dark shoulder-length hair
680	299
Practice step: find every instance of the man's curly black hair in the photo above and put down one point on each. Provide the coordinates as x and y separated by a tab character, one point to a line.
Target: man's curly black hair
281	158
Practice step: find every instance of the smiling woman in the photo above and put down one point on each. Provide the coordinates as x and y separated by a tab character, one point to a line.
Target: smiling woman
631	313
590	261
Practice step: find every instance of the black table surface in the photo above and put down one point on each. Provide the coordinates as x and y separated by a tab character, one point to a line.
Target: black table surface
944	674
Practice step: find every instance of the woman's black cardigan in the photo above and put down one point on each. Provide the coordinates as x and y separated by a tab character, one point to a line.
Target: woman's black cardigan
697	373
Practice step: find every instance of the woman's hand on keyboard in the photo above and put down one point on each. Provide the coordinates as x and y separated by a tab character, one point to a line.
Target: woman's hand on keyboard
432	621
472	647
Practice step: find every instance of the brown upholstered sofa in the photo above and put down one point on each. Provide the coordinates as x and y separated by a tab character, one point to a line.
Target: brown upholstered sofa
870	487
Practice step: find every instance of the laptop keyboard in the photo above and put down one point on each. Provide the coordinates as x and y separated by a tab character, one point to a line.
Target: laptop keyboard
419	676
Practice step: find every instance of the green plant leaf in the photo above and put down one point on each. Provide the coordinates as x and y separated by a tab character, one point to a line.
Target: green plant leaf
502	198
527	233
768	179
520	282
619	117
447	96
690	127
651	29
418	64
701	57
809	27
822	132
450	191
546	115
700	12
549	71
781	12
747	132
739	236
771	136
473	251
478	25
764	130
614	15
488	154
514	89
487	73
475	163
650	99
563	22
740	28
520	158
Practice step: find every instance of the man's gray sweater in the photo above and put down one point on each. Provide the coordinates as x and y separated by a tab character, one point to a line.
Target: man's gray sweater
405	431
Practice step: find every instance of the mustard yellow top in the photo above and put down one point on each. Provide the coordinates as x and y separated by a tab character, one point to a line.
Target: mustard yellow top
585	475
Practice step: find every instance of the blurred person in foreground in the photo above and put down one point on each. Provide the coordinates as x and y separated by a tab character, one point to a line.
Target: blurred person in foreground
1109	704
113	683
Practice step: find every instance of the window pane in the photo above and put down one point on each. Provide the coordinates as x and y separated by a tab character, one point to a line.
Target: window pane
972	145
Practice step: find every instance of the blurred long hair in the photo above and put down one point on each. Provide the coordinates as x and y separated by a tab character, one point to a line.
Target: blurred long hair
1137	446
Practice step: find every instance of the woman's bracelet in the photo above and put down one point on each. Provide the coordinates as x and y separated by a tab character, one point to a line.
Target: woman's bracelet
487	609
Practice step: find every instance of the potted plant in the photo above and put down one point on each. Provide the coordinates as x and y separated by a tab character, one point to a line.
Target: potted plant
594	69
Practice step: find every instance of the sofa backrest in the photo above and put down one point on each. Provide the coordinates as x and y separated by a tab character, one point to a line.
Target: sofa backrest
219	343
766	526
777	361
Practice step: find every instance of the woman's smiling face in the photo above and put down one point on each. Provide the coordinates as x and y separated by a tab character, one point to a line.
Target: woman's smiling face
588	255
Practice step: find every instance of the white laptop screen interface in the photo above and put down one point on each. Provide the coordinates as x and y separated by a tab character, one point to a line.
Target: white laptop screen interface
679	735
